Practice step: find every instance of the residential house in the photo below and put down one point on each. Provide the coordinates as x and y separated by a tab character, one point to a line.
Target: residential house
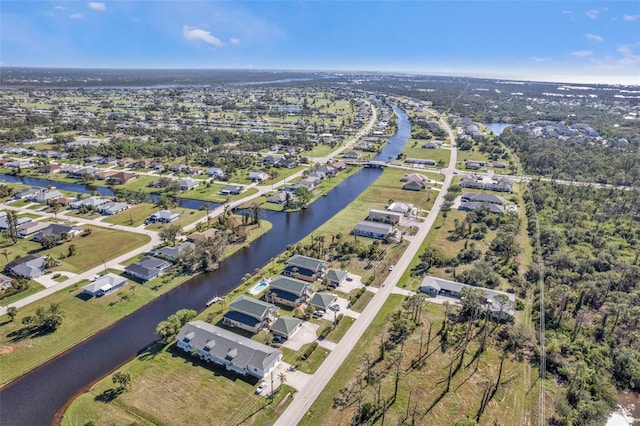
501	309
4	224
90	203
215	173
474	165
58	231
327	171
31	266
305	268
187	184
27	193
163	216
377	230
335	277
338	165
288	291
258	176
286	326
46	195
250	314
384	216
231	190
28	228
351	155
482	198
104	285
6	282
111	208
414	185
50	168
148	267
473	205
202	236
403	208
278	198
322	301
423	161
120	178
226	348
172	252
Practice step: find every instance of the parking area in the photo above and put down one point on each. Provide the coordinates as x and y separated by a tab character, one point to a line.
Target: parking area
351	283
306	334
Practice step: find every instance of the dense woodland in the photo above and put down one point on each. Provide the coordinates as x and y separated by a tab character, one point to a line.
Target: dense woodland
617	164
590	243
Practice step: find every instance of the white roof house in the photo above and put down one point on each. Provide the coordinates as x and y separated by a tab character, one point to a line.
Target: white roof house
104	285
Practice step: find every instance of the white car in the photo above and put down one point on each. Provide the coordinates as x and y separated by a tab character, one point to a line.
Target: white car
260	388
391	267
335	307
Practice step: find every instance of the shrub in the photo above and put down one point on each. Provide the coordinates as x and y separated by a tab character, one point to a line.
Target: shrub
309	350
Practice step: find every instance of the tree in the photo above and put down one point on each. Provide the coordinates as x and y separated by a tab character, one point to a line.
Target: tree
170	233
123	380
55	207
11	233
282	378
168	328
304	196
72	250
49	241
12	312
6	254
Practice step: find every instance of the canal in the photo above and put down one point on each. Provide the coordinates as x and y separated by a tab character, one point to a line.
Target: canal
36	398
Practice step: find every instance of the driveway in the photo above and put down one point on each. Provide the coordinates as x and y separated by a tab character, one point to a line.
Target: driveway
306	334
348	286
48	281
296	379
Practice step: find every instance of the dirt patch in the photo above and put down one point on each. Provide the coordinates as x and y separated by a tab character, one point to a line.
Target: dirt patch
6	349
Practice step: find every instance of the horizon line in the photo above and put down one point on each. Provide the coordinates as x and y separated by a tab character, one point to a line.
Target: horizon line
480	76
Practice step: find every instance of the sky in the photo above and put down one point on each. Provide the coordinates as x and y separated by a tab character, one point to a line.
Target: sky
562	41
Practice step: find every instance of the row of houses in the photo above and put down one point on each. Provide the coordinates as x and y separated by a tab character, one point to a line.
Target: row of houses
473	201
500	184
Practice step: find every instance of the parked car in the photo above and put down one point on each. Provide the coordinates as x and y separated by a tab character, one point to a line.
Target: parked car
335	307
261	387
391	267
318	313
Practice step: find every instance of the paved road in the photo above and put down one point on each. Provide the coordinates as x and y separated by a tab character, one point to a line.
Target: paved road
155	239
307	395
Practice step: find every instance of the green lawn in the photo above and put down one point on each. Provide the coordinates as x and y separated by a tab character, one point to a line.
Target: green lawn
209	192
23	354
134	216
170	387
414	149
337	333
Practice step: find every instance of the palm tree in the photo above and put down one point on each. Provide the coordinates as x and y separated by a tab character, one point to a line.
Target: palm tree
282	378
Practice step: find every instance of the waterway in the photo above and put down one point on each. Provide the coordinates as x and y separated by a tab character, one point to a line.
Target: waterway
35	398
86	189
497	128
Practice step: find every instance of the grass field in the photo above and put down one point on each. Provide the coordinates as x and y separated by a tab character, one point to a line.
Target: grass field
421	397
414	149
163	392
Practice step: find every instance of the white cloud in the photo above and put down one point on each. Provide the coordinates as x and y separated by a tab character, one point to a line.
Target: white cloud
58	7
594	37
629	18
567	12
76	16
234	40
196	34
540	59
97	6
592	14
581	53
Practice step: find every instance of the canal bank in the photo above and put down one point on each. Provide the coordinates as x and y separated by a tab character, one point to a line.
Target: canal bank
35	398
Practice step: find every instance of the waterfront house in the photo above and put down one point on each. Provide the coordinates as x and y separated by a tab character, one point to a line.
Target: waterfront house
250	314
305	268
148	267
104	285
228	349
377	230
163	216
288	291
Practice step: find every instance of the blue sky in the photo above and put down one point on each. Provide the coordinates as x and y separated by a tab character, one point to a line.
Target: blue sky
575	41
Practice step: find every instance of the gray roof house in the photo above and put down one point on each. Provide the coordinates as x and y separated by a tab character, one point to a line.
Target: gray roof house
104	285
28	228
58	231
26	193
46	195
187	184
226	348
473	205
231	190
250	314
175	251
288	291
384	216
148	267
4	224
403	208
482	198
323	300
377	230
335	277
305	268
112	207
286	326
91	202
165	216
434	286
31	266
258	176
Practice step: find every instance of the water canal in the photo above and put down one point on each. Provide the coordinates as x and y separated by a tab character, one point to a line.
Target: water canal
35	398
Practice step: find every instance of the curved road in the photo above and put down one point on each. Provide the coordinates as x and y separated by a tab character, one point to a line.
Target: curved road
307	395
